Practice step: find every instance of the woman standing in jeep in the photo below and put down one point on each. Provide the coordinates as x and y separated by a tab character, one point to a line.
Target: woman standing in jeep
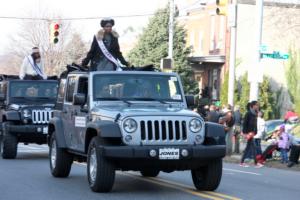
105	50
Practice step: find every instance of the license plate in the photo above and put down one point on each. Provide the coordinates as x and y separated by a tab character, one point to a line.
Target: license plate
169	154
45	130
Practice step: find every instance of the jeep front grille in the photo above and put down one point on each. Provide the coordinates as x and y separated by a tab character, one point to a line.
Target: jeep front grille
163	131
41	116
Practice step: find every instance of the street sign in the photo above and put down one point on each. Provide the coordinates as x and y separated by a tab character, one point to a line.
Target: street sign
275	55
263	48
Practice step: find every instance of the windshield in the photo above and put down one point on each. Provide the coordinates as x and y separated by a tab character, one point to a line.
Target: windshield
33	90
136	87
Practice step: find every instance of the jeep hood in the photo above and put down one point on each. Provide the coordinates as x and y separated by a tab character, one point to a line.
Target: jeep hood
125	111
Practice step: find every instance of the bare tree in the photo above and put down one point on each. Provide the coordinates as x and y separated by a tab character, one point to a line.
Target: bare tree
37	33
75	49
284	23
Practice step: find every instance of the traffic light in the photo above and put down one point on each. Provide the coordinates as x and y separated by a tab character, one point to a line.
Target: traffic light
54	33
221	7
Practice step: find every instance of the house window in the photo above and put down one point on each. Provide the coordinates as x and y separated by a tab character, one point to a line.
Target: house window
192	39
200	43
221	42
212	32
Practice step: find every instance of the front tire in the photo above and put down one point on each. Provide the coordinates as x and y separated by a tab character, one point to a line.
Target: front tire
60	160
9	144
100	172
208	177
150	173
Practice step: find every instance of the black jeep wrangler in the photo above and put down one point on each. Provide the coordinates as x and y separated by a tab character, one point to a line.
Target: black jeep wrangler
25	110
132	120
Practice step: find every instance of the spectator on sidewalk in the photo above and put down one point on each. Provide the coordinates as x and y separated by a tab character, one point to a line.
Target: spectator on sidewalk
291	116
213	115
295	152
273	146
283	144
261	125
237	128
250	130
228	122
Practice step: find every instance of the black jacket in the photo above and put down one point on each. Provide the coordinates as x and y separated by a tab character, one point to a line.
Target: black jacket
213	116
95	54
250	123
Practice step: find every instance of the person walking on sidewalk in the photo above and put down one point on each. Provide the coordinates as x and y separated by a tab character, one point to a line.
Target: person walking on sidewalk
237	128
261	125
250	130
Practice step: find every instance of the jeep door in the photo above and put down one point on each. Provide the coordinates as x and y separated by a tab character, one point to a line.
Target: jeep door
68	112
81	115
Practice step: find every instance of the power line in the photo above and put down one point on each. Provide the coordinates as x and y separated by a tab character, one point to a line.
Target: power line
73	18
89	18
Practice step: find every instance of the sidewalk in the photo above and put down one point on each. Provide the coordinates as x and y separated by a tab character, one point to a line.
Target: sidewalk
272	163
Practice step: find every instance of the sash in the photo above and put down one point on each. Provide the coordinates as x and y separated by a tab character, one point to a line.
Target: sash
36	68
108	55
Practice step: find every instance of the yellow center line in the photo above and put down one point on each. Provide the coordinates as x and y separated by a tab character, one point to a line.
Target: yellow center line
222	195
186	190
187	187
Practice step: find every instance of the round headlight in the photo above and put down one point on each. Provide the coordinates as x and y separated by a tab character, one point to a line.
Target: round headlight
195	125
26	113
130	125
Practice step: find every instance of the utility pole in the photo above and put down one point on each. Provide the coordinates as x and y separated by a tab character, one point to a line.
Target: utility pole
171	28
254	82
232	19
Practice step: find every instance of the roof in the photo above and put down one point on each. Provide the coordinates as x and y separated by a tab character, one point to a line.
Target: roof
276	3
208	59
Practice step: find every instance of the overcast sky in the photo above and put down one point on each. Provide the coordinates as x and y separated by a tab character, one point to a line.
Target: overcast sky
86	8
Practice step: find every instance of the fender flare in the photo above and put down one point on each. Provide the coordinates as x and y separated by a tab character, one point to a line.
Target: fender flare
105	129
56	125
12	115
214	134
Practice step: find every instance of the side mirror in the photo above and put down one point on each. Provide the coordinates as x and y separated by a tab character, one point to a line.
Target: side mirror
190	100
79	99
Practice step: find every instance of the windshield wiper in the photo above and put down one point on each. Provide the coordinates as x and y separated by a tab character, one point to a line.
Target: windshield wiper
114	99
33	98
150	99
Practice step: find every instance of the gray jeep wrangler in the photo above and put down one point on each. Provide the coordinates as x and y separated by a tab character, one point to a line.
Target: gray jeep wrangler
25	110
132	120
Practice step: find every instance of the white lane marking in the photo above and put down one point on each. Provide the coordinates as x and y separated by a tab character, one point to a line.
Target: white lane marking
32	149
243	172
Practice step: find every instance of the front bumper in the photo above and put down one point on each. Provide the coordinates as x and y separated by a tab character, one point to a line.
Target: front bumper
23	129
197	152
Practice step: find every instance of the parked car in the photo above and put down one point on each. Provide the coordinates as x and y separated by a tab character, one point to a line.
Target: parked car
271	125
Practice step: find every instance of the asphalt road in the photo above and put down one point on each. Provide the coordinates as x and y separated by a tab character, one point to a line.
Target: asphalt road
28	177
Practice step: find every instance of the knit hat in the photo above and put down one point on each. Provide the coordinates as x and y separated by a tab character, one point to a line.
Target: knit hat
35	50
106	21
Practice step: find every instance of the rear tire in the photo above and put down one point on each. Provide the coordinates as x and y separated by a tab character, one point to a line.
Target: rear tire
150	173
9	143
208	177
60	160
100	171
